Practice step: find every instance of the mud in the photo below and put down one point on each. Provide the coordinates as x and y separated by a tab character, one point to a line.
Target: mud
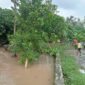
12	73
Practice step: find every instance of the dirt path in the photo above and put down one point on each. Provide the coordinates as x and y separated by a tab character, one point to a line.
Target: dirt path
11	73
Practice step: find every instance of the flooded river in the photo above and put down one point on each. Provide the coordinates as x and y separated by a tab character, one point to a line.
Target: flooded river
12	73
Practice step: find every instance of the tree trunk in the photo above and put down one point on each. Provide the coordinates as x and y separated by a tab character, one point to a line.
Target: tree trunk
14	26
26	63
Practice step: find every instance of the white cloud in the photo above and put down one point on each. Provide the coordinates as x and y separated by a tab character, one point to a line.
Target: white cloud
67	13
5	3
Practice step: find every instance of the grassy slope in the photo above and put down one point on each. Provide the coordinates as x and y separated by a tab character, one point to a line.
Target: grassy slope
71	72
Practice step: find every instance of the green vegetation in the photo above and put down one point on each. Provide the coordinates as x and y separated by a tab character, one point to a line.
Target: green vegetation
75	29
70	68
72	76
37	27
33	25
6	24
32	28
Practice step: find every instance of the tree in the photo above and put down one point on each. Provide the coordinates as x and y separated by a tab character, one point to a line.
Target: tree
6	24
38	24
15	2
75	28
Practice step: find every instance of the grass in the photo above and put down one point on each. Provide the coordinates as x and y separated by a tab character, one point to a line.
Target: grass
71	73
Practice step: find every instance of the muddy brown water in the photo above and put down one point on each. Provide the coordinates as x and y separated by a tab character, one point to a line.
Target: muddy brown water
12	73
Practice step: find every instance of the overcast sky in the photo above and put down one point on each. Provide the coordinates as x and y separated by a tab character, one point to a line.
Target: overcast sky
71	7
5	3
66	7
